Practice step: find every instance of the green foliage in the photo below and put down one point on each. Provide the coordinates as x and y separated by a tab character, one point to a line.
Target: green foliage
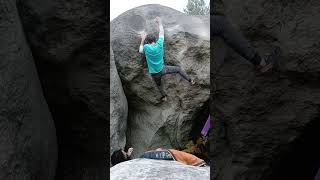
197	7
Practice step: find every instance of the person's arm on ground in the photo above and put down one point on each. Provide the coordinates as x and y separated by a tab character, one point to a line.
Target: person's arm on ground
129	153
143	37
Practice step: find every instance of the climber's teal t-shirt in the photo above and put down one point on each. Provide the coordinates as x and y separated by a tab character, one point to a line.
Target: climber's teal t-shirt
154	55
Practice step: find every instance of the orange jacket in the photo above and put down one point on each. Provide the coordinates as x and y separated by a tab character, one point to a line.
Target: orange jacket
186	158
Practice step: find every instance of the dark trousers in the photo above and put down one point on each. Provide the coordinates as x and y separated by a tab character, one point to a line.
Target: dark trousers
221	27
157	77
162	155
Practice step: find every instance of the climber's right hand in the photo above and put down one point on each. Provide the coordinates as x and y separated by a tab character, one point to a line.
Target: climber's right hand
143	35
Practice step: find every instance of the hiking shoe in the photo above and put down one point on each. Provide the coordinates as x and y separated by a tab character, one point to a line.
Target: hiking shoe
270	60
164	98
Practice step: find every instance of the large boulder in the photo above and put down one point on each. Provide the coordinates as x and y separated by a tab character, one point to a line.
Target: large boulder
265	126
28	139
151	123
118	109
68	40
149	169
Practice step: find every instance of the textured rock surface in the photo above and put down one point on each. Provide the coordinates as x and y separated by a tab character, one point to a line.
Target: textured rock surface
148	169
27	133
152	124
265	123
68	40
118	109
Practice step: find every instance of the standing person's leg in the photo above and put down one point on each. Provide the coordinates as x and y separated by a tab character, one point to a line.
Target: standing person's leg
177	70
222	27
157	79
317	175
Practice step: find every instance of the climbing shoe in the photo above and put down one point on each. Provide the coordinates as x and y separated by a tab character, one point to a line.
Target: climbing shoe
192	81
164	98
270	60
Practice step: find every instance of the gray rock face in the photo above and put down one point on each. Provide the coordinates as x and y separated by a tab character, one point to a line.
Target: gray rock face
265	124
68	40
149	169
118	109
28	141
151	123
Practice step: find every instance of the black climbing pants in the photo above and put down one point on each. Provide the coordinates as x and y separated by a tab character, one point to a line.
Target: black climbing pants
221	27
157	77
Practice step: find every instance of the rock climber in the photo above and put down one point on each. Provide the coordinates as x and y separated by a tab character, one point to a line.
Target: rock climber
153	51
221	27
122	155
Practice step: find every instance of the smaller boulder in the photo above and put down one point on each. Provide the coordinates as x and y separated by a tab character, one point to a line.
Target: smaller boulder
150	169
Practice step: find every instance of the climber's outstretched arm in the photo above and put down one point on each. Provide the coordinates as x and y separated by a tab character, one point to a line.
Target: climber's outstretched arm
161	30
143	37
